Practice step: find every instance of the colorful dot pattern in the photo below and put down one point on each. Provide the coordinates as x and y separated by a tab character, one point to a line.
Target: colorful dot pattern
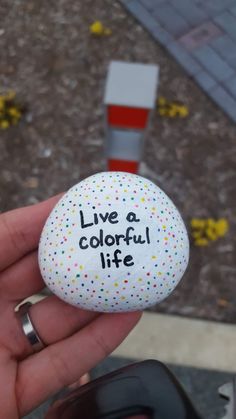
75	275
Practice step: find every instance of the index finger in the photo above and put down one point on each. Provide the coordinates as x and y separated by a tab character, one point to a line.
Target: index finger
20	230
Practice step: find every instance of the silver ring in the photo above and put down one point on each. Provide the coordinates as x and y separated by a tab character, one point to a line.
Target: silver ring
28	327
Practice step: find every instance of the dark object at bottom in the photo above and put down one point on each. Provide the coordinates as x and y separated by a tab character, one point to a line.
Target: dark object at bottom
146	389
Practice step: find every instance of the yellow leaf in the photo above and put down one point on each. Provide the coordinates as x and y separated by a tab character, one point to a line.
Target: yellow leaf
172	113
197	223
183	111
10	95
201	242
222	302
162	111
162	101
14	112
222	226
97	28
196	234
210	222
2	103
211	234
4	124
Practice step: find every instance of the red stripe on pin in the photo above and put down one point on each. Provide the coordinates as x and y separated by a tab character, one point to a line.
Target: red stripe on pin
125	117
123	166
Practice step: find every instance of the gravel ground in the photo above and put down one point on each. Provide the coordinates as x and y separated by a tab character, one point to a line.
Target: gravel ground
58	70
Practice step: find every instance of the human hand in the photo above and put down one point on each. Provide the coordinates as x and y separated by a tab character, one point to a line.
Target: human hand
76	340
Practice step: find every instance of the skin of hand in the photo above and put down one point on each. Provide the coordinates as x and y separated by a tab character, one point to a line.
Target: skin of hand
76	340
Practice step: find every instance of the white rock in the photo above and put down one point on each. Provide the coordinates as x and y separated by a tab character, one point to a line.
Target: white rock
114	242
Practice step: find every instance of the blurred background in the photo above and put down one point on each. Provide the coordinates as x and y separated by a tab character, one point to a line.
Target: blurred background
57	66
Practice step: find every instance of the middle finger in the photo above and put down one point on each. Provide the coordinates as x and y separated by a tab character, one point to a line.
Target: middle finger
53	320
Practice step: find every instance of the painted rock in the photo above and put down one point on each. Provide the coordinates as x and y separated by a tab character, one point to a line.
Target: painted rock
114	242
